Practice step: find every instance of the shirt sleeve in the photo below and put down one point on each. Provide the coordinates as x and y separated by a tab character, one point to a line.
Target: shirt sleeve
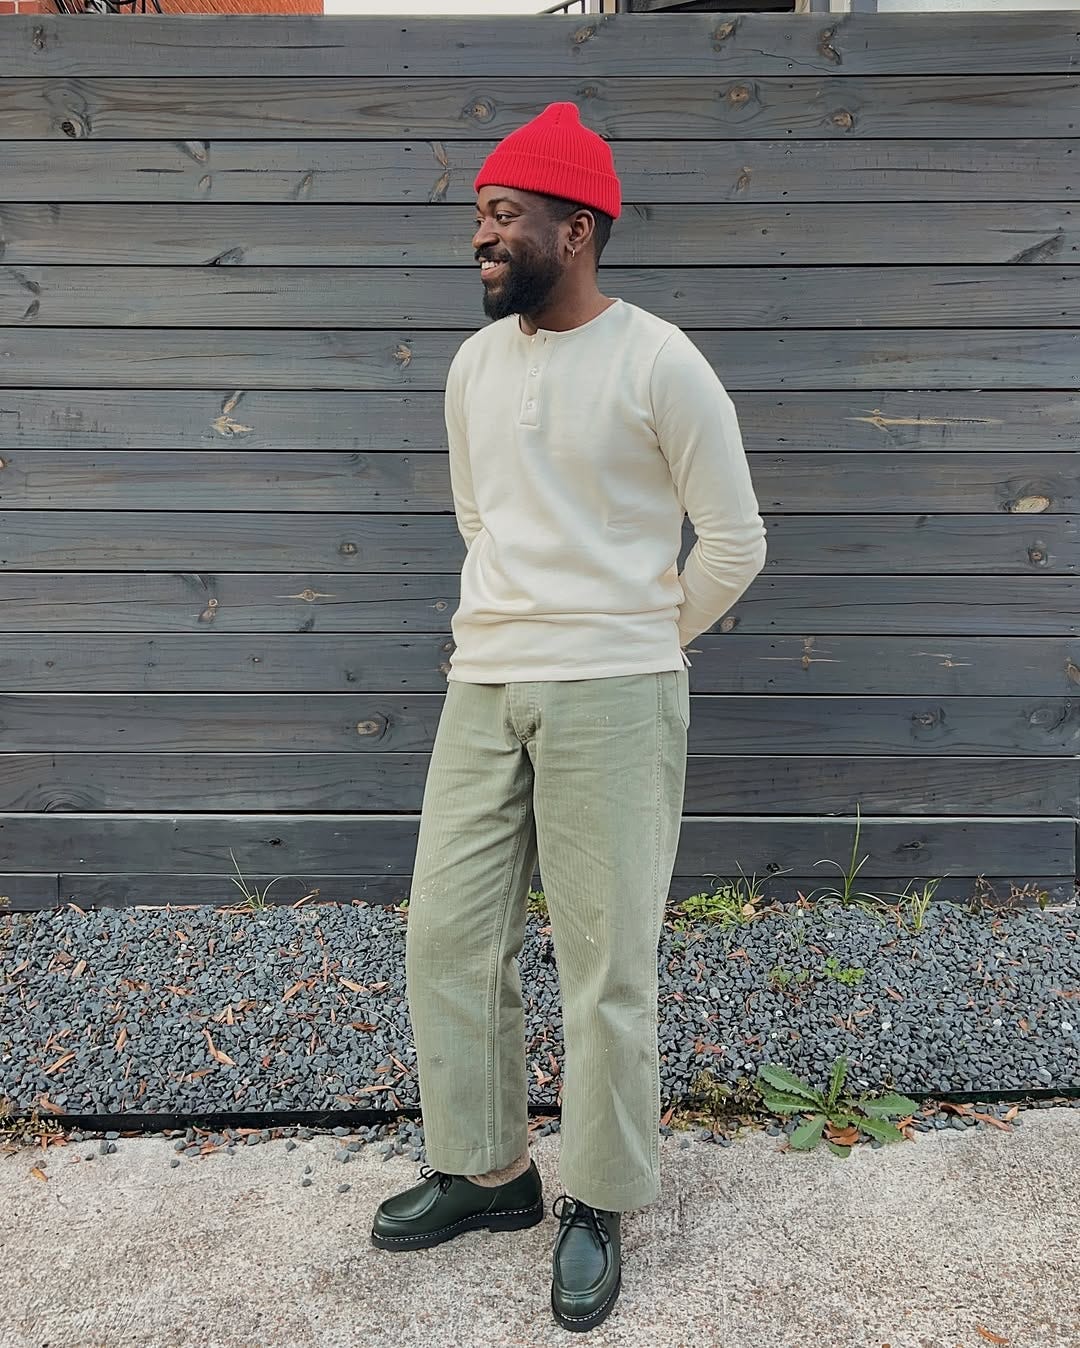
461	483
699	436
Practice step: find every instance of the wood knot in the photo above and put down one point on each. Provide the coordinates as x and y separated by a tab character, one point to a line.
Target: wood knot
73	128
209	613
826	49
843	119
583	34
729	623
440	605
1028	505
928	718
1072	671
39	39
483	110
738	94
368	728
347	549
1037	554
721	34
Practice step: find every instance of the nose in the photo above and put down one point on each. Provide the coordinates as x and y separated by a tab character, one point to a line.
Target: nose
484	237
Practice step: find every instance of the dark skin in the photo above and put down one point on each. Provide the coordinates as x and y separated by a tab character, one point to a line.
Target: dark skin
544	282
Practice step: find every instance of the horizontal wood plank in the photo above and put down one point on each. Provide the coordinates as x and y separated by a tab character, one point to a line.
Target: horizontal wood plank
159	889
388	722
804	482
738	662
650	171
280	844
666	235
286	107
382	360
275	782
434	298
237	602
548	45
157	540
870	422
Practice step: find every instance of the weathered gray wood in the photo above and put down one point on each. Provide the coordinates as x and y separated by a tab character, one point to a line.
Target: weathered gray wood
279	844
927	544
716	234
252	480
433	298
201	662
387	722
337	358
870	422
394	782
812	107
152	540
179	540
734	663
28	893
797	482
233	602
268	602
163	888
763	44
394	171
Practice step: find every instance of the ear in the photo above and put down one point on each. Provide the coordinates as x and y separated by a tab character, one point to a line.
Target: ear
582	225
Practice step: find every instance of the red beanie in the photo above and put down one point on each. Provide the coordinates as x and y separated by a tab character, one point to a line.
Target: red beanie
558	157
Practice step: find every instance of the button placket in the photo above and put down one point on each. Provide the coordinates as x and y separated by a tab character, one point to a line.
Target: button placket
530	398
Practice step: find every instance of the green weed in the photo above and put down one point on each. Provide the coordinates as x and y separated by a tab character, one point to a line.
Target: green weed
835	1115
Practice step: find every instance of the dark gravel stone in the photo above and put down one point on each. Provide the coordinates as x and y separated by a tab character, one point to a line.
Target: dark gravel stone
950	1031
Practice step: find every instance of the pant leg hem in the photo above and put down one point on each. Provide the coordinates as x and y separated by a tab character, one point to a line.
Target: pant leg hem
613	1197
474	1160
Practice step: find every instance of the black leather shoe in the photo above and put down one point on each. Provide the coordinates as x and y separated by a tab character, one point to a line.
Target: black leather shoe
586	1264
444	1206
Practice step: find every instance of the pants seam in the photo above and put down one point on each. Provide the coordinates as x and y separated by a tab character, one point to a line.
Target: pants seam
493	977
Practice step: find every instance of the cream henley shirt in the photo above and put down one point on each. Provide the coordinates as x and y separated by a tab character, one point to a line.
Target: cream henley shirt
574	457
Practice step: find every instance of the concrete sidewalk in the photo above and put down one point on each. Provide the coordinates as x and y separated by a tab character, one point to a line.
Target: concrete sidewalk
917	1245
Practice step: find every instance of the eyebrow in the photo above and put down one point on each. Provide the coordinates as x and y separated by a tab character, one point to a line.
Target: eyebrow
509	201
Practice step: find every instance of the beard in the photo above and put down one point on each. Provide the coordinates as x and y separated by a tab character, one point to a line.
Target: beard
527	287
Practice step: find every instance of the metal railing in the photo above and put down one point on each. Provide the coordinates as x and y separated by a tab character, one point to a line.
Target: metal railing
568	7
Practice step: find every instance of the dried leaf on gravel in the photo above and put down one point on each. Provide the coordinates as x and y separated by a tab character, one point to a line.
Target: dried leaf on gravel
1011	1113
955	1109
363	1025
121	1038
989	1118
79	969
60	1062
216	1053
355	987
46	1104
39	1174
989	1336
291	992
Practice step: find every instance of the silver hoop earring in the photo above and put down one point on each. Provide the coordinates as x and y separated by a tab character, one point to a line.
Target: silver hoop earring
573	252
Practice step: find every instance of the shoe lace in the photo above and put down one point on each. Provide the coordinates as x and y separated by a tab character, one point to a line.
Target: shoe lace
444	1180
575	1213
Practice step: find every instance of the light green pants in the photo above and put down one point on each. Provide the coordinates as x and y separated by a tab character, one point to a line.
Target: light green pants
586	776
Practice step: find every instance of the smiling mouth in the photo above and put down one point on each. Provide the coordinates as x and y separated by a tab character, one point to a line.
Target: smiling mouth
492	271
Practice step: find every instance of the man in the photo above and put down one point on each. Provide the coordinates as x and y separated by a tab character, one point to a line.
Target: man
581	430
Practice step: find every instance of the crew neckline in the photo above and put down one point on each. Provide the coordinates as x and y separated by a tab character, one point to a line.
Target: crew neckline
567	332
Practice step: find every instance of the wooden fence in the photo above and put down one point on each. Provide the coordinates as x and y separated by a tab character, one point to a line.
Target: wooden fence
235	264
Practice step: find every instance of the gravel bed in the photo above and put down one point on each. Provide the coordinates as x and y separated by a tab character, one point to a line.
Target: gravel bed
206	1011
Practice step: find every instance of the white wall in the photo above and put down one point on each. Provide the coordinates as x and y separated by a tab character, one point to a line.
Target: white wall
435	6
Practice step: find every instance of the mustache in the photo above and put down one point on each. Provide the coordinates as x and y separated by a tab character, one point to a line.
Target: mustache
490	257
